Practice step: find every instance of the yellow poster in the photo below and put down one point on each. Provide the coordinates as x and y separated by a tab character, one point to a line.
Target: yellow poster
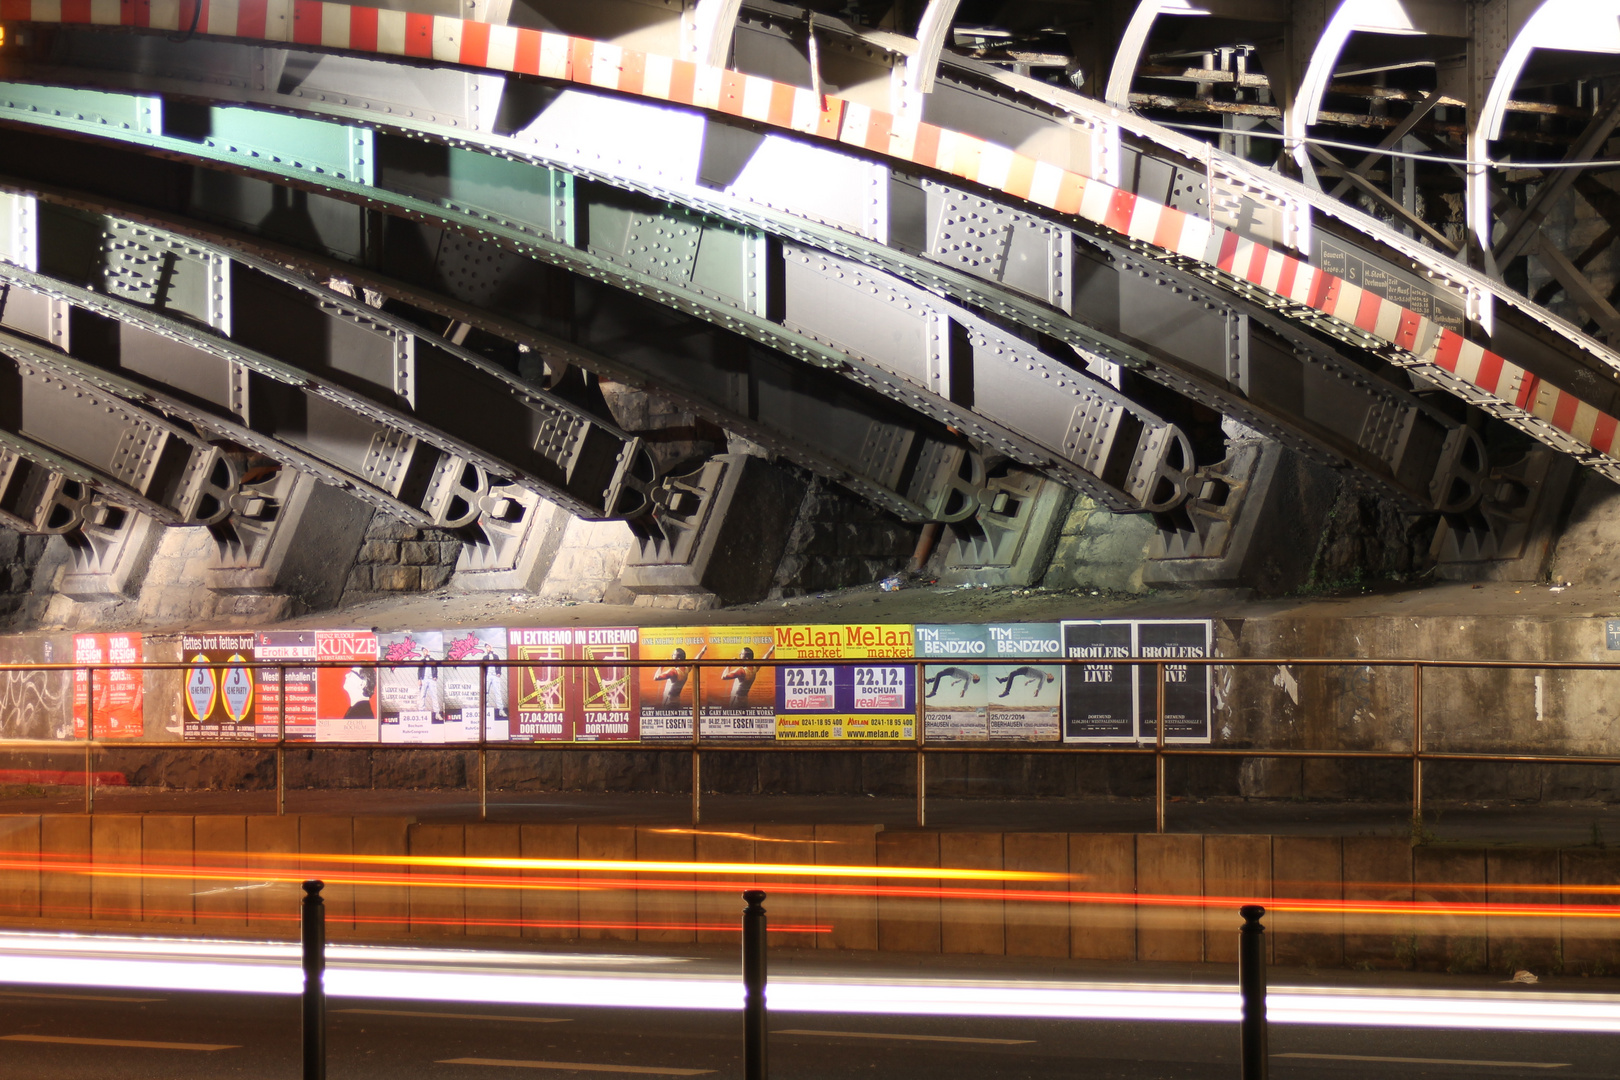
823	696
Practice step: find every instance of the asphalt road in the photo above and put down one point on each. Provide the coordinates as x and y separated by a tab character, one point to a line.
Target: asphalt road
58	1033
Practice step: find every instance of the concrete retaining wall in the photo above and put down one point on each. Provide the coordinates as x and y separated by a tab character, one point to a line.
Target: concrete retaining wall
1152	903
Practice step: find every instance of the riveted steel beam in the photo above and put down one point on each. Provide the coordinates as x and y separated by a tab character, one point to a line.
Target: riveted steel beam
305	367
73	431
1033	118
714	270
972	242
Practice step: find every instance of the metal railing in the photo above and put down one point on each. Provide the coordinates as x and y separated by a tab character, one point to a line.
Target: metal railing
1416	754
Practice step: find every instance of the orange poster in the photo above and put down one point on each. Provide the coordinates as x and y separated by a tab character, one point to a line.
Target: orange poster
113	699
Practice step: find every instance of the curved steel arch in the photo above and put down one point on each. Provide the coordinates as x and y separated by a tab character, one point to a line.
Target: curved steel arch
1435	17
963	277
1551	411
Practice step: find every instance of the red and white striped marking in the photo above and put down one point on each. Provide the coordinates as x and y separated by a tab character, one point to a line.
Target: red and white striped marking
611	67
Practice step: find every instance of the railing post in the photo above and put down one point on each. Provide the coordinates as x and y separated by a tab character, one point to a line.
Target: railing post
922	760
697	733
1158	749
1417	743
1252	985
89	740
753	970
314	1016
281	739
483	740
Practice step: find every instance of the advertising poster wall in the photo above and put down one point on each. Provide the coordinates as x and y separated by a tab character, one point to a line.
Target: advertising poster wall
824	701
218	698
1099	696
956	696
1186	686
463	685
666	687
538	694
601	697
300	704
346	696
739	700
119	711
1024	700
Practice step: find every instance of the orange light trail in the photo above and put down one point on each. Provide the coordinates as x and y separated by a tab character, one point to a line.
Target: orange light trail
364	879
738	836
634	866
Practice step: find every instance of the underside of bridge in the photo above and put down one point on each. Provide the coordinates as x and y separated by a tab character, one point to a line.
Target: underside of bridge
693	302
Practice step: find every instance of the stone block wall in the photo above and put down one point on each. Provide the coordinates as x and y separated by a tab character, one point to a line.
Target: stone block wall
398	557
840	540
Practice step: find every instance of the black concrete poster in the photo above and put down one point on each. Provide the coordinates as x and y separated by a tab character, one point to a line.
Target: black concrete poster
1099	696
1186	686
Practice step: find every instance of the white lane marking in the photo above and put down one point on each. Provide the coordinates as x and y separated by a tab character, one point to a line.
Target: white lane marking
73	997
118	1042
908	1038
457	1016
577	1066
1431	1061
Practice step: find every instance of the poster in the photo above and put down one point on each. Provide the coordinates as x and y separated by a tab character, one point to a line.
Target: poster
118	708
956	696
1186	686
825	701
299	703
1099	696
1103	702
463	685
601	697
739	699
218	698
1024	700
411	704
539	701
346	692
666	691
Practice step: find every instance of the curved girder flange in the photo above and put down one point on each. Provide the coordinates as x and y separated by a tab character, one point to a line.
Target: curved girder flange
1118	451
986	106
307	369
75	432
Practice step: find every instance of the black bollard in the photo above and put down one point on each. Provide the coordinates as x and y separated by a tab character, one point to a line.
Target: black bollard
314	1019
753	970
1252	985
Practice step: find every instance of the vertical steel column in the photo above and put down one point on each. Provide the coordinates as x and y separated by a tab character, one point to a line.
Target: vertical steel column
922	760
281	740
89	740
1158	751
314	1012
697	733
753	972
483	740
1417	742
1252	986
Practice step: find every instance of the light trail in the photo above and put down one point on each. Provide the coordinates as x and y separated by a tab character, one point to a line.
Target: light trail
760	875
448	975
654	866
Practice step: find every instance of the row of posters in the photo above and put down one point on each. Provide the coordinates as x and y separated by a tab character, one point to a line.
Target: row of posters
999	682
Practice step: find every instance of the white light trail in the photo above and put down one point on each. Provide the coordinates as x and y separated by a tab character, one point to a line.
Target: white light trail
564	979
